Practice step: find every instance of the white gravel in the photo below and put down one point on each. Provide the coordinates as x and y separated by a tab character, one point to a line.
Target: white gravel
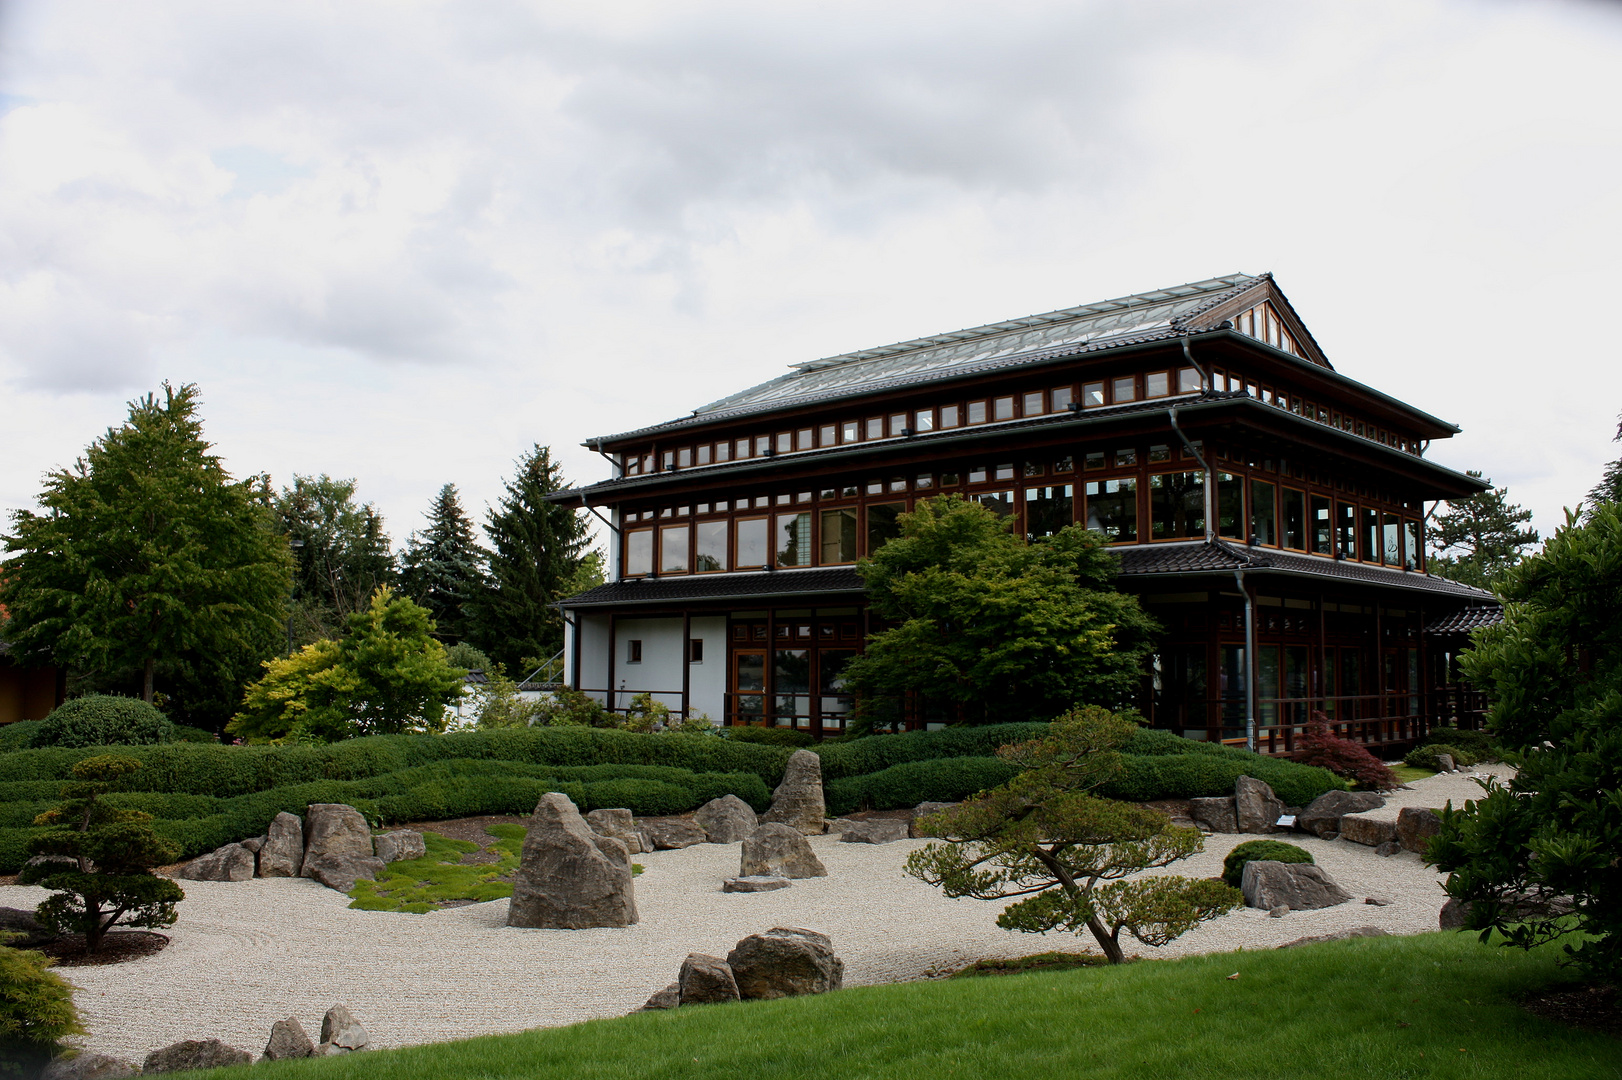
247	954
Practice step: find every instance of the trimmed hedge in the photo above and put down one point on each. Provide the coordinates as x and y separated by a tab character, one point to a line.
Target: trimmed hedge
1480	745
1233	867
103	720
913	782
873	753
19	734
770	736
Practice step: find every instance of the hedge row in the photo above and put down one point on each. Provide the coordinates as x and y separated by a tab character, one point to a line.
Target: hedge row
875	752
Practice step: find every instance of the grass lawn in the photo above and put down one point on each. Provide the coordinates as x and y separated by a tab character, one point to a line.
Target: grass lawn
1409	773
1437	1005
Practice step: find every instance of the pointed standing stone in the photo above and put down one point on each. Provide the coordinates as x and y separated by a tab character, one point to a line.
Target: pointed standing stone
798	802
568	876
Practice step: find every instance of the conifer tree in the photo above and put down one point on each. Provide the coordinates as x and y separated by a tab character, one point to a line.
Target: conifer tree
1478	538
537	552
443	566
341	553
1609	488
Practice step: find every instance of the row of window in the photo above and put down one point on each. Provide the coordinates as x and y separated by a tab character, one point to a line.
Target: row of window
1164	506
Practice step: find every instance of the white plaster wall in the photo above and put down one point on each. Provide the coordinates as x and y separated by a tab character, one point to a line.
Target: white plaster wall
593	654
659	672
709	679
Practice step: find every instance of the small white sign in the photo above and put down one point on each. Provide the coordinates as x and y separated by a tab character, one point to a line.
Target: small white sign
1287	820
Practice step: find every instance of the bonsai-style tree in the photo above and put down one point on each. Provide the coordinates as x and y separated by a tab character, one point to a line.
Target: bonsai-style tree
100	859
1043	838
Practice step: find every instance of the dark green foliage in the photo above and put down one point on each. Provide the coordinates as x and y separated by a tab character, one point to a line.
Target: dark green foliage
1609	488
36	1004
1480	537
1425	757
103	720
443	566
914	782
19	734
181	733
874	752
770	736
341	554
1553	672
1480	745
1233	867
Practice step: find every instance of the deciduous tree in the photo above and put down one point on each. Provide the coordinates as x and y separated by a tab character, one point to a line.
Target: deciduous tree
1480	537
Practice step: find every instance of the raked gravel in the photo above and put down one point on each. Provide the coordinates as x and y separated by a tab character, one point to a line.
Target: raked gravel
246	954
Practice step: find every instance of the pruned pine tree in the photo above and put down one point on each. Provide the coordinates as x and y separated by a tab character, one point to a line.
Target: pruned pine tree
1477	539
341	553
537	553
443	566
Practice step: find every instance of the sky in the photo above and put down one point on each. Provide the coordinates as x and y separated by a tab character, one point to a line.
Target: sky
404	242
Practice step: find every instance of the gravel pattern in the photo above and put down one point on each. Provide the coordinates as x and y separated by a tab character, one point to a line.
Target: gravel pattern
246	954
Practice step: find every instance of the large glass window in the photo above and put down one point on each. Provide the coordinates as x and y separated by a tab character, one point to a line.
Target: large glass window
1322	528
1392	530
1000	503
793	540
712	546
1264	513
751	547
1410	543
673	544
1112	508
1295	683
1267	680
1346	530
1176	505
1230	506
1232	675
839	536
639	552
1293	518
791	683
1047	510
883	524
835	701
1368	534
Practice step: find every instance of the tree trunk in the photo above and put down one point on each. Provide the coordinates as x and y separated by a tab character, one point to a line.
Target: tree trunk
92	925
1106	941
146	685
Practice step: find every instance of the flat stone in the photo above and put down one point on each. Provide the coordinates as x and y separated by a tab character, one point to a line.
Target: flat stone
1388	849
668	998
282	853
1256	807
797	801
340	1028
1215	813
288	1040
1371	832
670	833
1415	827
569	877
706	980
1338	935
1377	901
876	831
755	883
923	810
194	1054
621	825
336	830
779	850
726	820
1323	814
233	862
340	872
400	845
1299	886
85	1066
785	961
1279	912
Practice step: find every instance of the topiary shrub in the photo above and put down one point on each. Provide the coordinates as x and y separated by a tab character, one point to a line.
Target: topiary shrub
1321	747
1480	745
871	753
1425	757
36	1005
770	736
103	720
1233	867
913	782
19	734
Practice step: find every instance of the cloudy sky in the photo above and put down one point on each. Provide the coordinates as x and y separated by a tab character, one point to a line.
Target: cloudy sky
404	241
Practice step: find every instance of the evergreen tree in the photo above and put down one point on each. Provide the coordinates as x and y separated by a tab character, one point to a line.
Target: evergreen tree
1609	488
150	563
443	566
1478	538
341	554
537	556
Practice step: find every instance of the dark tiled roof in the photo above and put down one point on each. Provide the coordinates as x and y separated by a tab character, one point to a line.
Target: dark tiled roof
1221	556
696	588
1471	618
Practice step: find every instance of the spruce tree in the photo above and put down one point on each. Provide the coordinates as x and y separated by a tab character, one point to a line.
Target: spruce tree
537	554
1478	538
1609	488
443	566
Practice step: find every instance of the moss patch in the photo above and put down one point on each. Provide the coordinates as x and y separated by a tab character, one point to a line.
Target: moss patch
1408	773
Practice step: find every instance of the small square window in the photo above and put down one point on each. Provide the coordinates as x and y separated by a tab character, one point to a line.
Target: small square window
924	482
898	484
633	651
684	457
1003	408
1032	469
1065	464
1159	452
1124	389
850	431
1092	395
763	443
804	496
1125	459
723	451
849	491
785	442
802	439
898	425
875	427
1188	380
950	479
669	459
721	507
1157	384
1033	405
828	435
1061	396
977	412
695	650
762	500
704	454
783	500
702	508
949	417
830	493
743	449
1005	472
923	420
875	487
977	475
1095	460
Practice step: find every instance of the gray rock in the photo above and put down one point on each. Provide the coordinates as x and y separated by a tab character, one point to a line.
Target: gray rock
726	820
1456	914
337	830
399	845
192	1054
876	831
1215	813
755	883
233	862
64	861
288	1040
785	962
668	998
18	921
798	802
340	872
621	825
1371	832
1377	901
1256	807
1338	935
706	980
1301	886
85	1066
1388	849
1445	763
340	1029
837	826
1323	814
1279	912
254	843
669	833
923	810
568	876
1415	827
779	850
282	854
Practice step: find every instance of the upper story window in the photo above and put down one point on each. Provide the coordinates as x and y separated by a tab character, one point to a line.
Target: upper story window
850	431
1033	405
977	412
1262	323
1124	389
1003	408
923	420
875	427
949	416
1157	384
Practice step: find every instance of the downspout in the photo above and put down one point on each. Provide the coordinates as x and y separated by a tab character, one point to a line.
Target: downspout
1205	376
1210	477
1250	659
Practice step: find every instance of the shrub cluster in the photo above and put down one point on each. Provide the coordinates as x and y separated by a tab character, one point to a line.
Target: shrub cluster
103	720
1480	745
1233	867
770	736
19	734
1425	757
36	1004
1320	746
913	782
860	757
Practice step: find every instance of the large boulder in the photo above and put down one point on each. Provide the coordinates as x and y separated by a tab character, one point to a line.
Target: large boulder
621	825
672	832
1322	816
1458	914
726	820
568	876
399	845
1445	763
1372	832
1256	807
1215	812
705	980
335	830
798	802
340	872
86	1066
288	1040
194	1054
780	850
876	831
1415	827
233	862
1299	886
282	853
668	998
18	921
785	962
341	1032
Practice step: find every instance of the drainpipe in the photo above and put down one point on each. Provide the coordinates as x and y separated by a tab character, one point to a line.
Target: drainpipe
1210	477
1205	376
1250	659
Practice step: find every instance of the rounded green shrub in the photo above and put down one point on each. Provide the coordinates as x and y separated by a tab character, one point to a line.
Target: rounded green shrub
103	720
1480	745
1425	757
770	736
1233	867
19	734
913	782
36	1005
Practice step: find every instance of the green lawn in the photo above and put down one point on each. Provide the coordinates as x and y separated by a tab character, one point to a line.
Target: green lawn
1409	773
1438	1005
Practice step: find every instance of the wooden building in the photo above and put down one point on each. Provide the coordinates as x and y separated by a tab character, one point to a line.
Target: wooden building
1269	510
